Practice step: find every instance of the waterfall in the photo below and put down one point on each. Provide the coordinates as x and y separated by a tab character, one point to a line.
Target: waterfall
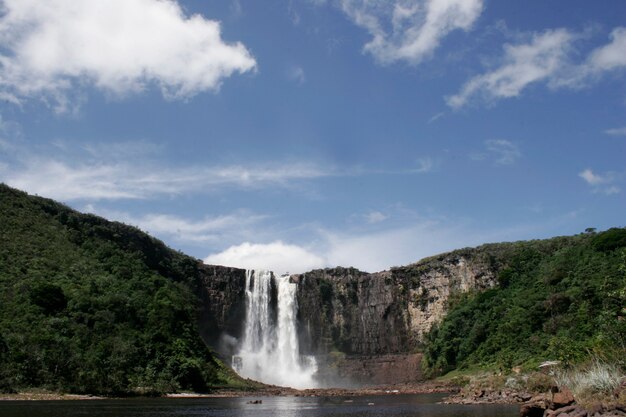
269	350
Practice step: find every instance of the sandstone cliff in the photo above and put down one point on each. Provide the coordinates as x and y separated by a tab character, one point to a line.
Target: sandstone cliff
346	310
366	326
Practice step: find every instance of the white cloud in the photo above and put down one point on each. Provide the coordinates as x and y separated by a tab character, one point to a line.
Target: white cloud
610	56
410	30
591	178
52	48
601	183
276	256
97	181
425	165
213	230
436	117
293	14
546	58
505	152
522	65
66	172
619	131
296	74
375	217
236	9
613	189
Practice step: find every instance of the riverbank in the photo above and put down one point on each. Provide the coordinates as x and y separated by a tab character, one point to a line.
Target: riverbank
267	391
542	395
46	396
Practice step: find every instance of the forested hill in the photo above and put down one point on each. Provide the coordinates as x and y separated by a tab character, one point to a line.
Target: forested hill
92	306
557	299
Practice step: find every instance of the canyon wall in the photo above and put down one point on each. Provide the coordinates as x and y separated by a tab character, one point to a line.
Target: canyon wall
363	327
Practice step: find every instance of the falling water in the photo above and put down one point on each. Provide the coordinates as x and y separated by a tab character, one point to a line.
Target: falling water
269	351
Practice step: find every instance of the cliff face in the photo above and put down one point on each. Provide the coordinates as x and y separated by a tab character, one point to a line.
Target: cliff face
432	282
349	311
348	318
223	312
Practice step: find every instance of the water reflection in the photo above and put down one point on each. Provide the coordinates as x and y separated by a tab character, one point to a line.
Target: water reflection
391	405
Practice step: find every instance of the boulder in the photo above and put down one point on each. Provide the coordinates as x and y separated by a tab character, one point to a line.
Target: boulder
562	398
535	407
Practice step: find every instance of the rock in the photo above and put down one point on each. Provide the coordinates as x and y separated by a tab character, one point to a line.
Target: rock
535	407
596	408
579	412
531	410
561	412
562	398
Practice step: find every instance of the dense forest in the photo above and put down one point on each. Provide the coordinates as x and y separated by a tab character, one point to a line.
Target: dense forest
92	306
558	299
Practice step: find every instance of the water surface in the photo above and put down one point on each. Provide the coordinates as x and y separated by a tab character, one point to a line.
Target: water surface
421	405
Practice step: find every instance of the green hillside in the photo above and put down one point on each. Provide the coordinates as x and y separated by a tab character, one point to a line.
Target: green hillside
92	306
558	299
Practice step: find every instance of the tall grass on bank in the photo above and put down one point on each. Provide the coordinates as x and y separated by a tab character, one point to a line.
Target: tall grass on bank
597	381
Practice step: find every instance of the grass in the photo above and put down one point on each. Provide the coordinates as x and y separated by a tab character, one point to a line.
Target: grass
596	382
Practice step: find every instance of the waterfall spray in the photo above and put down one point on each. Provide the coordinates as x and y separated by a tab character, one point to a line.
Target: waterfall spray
269	351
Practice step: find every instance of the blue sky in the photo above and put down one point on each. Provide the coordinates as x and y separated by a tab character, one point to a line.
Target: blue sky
297	134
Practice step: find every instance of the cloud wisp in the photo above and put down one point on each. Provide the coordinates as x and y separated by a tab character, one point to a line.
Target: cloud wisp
505	152
618	131
54	48
601	183
546	58
123	171
522	65
500	151
410	30
209	230
101	181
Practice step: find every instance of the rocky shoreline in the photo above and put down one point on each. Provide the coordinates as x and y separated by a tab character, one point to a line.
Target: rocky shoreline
556	403
267	391
553	404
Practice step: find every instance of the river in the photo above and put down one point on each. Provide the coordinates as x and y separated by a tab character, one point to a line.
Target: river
420	405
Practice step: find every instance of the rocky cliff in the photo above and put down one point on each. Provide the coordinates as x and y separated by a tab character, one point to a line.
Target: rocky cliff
353	312
223	311
348	317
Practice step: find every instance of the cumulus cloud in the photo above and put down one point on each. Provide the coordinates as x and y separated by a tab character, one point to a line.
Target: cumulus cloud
522	65
276	256
119	46
410	30
601	183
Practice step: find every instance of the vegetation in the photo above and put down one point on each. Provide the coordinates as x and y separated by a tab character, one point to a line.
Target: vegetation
596	380
91	306
558	299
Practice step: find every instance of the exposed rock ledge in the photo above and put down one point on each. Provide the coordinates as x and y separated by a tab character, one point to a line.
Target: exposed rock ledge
562	404
556	404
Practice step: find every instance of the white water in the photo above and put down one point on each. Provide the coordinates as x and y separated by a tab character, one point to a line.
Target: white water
269	351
